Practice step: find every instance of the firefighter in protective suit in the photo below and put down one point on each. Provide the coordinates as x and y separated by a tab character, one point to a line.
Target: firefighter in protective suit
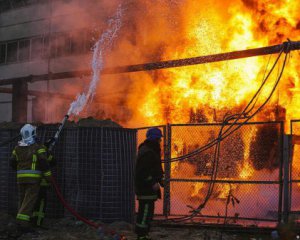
148	179
29	159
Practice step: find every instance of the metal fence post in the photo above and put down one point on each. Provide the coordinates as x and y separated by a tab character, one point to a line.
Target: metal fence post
167	157
286	176
291	164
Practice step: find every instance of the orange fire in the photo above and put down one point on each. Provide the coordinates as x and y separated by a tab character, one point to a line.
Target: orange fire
181	29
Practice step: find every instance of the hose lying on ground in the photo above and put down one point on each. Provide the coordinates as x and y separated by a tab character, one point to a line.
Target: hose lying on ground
97	226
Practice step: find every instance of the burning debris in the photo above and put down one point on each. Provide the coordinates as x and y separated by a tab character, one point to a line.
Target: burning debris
232	153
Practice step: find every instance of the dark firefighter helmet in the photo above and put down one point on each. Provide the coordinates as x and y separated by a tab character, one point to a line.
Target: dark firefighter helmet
154	133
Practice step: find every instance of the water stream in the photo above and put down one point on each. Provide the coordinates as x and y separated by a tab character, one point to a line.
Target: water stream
100	49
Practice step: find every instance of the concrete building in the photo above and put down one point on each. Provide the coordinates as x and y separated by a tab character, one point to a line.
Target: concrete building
45	46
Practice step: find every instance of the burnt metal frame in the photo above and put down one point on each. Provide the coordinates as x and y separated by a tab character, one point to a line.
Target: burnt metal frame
168	179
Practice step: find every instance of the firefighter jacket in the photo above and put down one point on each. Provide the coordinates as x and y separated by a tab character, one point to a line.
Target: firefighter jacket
148	171
51	162
31	163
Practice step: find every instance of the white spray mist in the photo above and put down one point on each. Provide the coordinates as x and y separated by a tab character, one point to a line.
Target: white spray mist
102	46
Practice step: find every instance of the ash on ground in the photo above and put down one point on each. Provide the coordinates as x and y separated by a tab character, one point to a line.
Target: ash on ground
70	229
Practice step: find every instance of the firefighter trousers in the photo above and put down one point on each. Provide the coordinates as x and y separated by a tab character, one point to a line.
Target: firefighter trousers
144	217
40	207
28	194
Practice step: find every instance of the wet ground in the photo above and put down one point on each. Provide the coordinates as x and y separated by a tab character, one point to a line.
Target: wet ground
70	229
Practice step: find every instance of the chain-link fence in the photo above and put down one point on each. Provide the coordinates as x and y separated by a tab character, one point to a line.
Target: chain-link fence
247	186
247	183
94	171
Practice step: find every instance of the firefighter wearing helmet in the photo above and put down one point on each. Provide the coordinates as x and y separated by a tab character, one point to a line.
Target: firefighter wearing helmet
148	180
29	159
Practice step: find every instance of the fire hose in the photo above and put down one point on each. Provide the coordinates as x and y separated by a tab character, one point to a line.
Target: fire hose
99	227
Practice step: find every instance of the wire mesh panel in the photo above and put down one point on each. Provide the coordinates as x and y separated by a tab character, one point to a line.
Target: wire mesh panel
94	172
8	189
244	175
295	167
71	166
99	172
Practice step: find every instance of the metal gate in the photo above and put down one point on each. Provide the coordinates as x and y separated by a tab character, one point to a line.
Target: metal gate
248	186
294	173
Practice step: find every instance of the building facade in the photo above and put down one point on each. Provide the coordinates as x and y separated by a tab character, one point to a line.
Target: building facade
45	50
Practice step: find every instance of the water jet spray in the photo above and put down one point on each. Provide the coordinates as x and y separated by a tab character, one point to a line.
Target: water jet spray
99	50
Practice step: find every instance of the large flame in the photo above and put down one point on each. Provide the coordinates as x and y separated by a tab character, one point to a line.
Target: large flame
204	93
181	29
163	30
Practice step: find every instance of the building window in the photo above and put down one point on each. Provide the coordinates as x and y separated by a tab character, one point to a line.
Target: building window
18	3
5	5
2	53
12	52
37	47
77	42
61	46
53	46
24	50
67	44
41	47
46	53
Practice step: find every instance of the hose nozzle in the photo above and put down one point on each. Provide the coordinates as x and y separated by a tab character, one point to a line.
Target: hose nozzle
56	136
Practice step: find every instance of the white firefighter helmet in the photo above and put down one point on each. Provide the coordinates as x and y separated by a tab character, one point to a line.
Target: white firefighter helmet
28	133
